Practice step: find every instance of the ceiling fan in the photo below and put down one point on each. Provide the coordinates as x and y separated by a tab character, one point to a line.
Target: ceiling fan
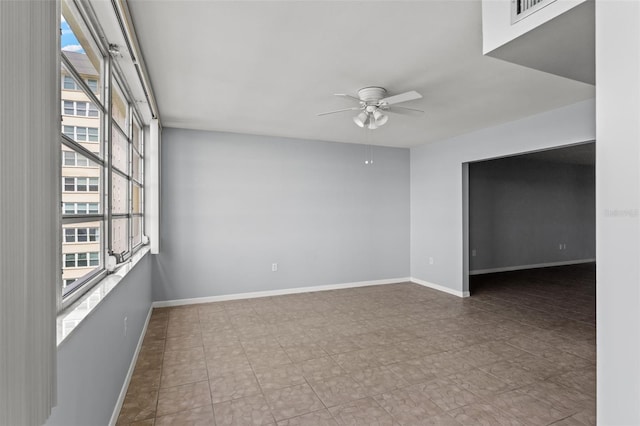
373	103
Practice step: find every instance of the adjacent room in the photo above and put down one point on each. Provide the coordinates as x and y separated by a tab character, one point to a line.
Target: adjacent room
319	213
534	210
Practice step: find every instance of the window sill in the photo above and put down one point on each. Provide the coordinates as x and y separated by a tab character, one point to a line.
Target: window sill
70	318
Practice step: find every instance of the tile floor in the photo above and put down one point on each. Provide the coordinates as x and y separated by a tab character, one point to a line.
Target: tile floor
520	351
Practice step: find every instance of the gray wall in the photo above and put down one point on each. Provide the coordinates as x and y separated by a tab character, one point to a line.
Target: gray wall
437	190
520	210
94	360
233	204
618	214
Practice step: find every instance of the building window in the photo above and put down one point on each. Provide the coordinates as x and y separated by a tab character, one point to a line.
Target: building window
80	208
93	84
81	260
74	159
109	190
82	235
69	83
81	134
80	109
80	184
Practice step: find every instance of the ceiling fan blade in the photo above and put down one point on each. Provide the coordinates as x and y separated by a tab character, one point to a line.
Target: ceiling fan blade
409	109
402	97
403	111
344	95
340	110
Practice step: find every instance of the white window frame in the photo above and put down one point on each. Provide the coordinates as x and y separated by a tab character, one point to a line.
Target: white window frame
75	235
99	92
76	86
89	107
68	78
75	208
75	259
76	184
77	157
86	133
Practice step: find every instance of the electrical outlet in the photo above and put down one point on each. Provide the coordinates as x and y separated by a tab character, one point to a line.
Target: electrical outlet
274	267
125	326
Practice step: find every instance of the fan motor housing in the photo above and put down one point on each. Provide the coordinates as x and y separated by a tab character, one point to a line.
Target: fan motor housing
372	94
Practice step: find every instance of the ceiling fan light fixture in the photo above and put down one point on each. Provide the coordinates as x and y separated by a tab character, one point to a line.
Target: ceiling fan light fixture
361	119
380	118
373	103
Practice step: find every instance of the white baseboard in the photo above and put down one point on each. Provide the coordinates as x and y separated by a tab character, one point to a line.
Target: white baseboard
440	287
533	266
267	293
132	366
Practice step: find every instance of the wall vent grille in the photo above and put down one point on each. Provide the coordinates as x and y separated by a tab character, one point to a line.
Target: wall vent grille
520	9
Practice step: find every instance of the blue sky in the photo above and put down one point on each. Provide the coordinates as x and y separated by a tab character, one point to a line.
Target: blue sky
68	40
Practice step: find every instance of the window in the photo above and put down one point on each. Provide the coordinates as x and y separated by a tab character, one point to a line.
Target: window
82	235
93	134
81	260
80	109
74	159
69	83
80	208
102	167
81	134
68	107
93	84
80	184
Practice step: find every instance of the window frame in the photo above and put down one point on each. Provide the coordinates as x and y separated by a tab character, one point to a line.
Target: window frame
75	160
102	99
84	130
76	256
76	239
75	184
75	106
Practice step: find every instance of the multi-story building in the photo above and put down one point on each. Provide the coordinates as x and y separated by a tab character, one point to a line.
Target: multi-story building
81	178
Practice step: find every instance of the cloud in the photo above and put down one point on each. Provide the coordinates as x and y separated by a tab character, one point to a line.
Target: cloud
73	48
62	19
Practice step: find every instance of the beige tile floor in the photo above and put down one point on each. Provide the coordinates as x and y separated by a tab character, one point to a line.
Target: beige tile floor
520	351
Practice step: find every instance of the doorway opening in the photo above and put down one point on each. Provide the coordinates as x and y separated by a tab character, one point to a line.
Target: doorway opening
527	212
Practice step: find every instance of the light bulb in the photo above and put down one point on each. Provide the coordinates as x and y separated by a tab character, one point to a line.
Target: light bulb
380	118
361	119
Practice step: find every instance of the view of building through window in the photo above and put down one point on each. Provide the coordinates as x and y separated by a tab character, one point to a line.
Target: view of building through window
81	186
101	157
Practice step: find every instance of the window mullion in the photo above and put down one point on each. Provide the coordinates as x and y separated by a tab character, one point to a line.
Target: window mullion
108	185
130	181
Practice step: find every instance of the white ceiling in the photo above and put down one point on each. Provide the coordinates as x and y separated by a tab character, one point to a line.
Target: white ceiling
268	67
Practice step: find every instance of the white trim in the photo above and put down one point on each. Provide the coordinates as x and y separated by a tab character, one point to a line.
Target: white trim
152	186
533	266
440	287
132	366
267	293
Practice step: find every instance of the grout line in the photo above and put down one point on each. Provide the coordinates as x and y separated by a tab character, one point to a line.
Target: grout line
340	308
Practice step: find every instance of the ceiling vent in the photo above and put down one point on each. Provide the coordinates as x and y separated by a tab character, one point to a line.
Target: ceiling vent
520	9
